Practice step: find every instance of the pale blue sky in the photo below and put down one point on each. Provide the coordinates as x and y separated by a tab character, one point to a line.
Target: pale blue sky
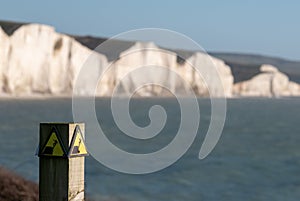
260	27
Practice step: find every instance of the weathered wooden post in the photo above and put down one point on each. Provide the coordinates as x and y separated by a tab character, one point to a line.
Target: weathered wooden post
61	150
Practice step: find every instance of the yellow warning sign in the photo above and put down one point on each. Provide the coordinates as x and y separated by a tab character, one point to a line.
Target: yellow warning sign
53	146
78	147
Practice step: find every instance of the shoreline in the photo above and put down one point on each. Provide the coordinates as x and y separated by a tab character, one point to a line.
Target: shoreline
50	97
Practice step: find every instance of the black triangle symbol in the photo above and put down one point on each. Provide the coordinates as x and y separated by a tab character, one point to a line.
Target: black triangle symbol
78	146
53	145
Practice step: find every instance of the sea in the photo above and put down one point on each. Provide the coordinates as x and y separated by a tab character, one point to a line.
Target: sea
257	157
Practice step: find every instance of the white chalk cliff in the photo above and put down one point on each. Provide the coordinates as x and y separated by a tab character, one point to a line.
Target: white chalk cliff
268	83
212	77
36	60
145	63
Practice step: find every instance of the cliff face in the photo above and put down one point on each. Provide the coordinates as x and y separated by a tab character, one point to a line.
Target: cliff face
37	60
34	59
140	65
4	47
213	77
270	82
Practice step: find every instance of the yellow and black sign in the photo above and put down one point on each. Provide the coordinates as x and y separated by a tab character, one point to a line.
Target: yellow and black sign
77	147
53	145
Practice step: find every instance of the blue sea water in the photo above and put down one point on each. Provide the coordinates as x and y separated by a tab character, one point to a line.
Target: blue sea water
257	157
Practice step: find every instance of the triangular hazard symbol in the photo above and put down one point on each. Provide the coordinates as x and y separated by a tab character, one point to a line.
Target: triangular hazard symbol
78	147
53	146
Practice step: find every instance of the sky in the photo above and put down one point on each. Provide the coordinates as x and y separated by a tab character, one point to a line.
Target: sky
256	27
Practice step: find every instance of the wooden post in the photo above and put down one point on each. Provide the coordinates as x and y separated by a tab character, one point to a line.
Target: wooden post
61	169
